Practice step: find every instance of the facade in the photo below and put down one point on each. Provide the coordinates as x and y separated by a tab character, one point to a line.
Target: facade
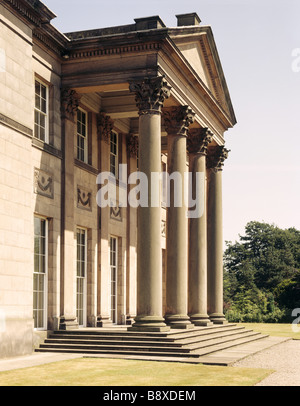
139	98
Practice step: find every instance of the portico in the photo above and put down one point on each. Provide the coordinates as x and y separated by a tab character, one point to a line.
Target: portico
147	98
155	94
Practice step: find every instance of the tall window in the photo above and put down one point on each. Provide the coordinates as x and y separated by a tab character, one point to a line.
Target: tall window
114	154
81	263
40	273
41	111
113	278
82	152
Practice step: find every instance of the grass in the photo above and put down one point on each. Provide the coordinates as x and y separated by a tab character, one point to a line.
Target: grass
119	372
274	329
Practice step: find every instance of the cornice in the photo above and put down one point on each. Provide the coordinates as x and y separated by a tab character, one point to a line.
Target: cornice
38	17
100	50
33	11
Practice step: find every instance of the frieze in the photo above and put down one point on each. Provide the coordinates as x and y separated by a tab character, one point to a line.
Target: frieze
43	183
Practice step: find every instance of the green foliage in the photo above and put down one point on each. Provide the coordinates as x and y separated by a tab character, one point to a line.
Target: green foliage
262	274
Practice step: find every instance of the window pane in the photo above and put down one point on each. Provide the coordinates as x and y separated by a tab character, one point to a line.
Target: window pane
43	91
37	102
44	105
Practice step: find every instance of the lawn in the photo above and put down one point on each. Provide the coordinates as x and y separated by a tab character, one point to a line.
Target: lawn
119	372
274	329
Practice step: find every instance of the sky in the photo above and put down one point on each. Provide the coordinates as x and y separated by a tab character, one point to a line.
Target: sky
258	42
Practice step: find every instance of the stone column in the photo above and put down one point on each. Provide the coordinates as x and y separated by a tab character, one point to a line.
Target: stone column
131	238
69	107
198	141
177	121
216	157
150	95
104	127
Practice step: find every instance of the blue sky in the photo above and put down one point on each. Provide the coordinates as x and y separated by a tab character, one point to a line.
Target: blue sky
255	40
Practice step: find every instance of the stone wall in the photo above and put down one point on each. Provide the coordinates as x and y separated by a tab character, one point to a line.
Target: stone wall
16	186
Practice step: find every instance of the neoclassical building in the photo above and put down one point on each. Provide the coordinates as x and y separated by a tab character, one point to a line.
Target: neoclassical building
139	98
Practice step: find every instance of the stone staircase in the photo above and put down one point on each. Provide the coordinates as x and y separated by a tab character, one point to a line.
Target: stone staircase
174	345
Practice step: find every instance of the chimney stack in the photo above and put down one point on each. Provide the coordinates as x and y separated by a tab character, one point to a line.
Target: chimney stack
188	19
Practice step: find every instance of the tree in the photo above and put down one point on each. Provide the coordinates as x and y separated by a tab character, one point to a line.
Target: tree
262	270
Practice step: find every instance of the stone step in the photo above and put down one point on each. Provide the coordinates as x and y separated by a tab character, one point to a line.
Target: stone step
112	343
220	340
128	336
159	354
117	352
107	347
194	342
204	337
178	344
229	344
141	347
183	338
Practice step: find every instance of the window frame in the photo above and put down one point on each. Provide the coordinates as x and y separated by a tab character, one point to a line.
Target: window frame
45	274
40	112
113	316
84	137
115	155
84	277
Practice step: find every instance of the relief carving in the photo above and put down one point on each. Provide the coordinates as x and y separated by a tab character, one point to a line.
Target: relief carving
115	213
84	199
43	183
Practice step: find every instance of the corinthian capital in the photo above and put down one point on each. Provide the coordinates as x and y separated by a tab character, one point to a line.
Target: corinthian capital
104	126
216	158
198	140
150	94
177	119
69	103
133	145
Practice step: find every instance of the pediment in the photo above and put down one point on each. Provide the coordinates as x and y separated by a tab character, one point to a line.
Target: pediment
200	52
192	52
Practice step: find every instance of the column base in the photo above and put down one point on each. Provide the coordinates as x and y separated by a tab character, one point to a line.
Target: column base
149	323
178	321
68	323
201	320
218	318
129	320
104	321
